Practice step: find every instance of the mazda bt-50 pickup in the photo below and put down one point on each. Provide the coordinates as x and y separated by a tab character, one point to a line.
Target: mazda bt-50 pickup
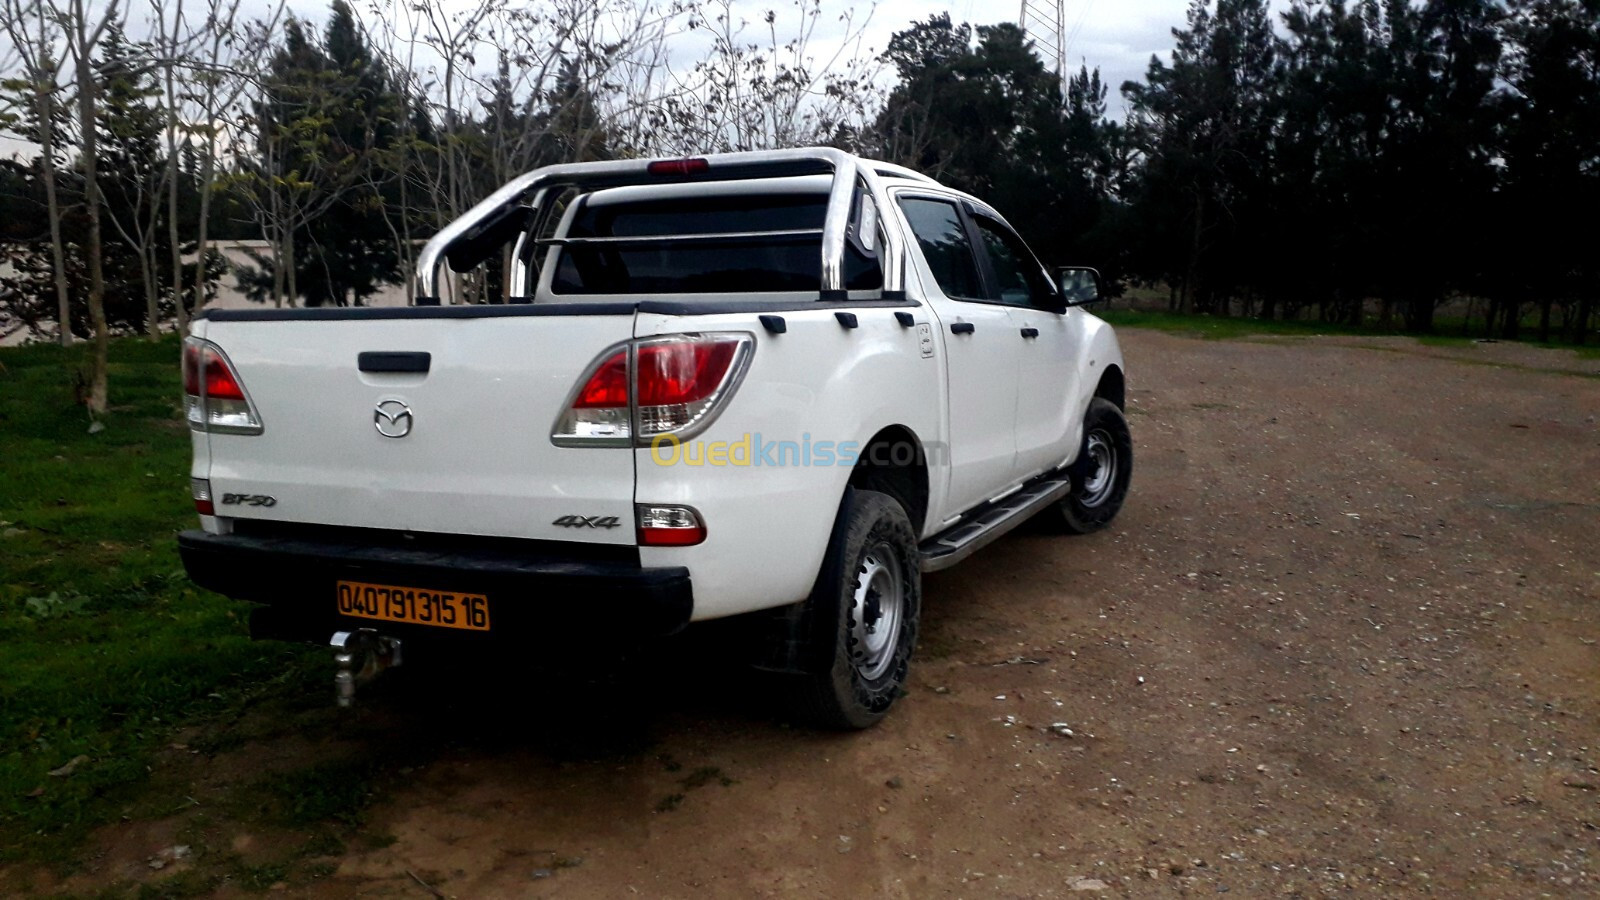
777	386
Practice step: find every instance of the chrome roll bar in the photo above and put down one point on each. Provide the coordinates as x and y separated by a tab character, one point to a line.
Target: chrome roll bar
846	169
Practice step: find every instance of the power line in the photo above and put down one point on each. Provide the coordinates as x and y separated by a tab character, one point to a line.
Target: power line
1076	27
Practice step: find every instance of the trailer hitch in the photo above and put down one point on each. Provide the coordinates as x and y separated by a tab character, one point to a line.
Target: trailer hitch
360	656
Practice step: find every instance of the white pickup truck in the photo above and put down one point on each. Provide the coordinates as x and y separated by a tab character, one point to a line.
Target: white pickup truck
775	385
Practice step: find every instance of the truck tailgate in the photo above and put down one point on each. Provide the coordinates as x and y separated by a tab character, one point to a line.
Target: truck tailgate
464	446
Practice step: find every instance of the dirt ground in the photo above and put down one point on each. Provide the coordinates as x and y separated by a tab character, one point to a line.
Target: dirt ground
1342	639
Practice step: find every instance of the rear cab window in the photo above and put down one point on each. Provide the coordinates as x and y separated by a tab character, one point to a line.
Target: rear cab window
705	242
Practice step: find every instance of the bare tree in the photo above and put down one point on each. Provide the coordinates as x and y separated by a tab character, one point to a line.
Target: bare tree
170	38
132	193
557	70
290	168
85	26
217	58
778	90
400	168
35	33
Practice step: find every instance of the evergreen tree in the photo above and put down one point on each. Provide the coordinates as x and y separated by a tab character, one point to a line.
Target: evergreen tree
1552	162
1203	124
349	253
325	117
989	118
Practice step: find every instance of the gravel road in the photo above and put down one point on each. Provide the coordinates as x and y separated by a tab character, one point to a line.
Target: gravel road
1343	638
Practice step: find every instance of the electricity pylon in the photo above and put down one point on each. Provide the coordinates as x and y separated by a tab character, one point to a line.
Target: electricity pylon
1045	23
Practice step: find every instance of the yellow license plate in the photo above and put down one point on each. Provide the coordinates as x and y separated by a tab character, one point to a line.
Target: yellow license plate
414	606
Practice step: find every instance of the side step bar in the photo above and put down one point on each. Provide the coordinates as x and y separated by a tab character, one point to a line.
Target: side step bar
961	540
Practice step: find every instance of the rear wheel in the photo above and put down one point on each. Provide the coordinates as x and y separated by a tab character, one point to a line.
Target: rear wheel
865	608
1103	471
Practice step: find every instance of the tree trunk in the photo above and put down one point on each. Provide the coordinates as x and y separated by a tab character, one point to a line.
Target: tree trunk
1585	307
172	179
1419	314
293	293
207	172
58	248
1512	325
91	200
277	273
505	274
408	259
172	218
1191	278
152	292
1544	319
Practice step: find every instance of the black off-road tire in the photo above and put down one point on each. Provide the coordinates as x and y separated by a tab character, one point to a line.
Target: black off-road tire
854	677
1098	492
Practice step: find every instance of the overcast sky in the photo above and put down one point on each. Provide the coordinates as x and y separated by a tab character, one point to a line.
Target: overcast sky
1118	36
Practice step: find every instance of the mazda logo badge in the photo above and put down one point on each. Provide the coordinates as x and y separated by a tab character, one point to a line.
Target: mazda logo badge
392	419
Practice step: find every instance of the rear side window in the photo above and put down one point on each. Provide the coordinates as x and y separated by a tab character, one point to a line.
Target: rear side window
943	239
751	256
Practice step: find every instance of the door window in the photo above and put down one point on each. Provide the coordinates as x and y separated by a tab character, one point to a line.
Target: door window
1018	279
943	239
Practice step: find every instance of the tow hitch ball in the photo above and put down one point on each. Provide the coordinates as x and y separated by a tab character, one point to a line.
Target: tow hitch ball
360	656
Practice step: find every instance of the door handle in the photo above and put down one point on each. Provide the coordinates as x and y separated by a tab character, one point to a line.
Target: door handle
394	361
963	328
1030	332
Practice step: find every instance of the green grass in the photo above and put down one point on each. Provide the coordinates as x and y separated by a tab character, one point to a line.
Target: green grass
335	791
105	646
1217	327
1449	333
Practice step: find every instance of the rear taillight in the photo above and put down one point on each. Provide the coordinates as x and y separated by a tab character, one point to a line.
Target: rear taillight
214	397
669	526
681	380
599	415
657	386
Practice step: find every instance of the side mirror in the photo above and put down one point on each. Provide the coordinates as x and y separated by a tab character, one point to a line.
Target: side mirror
1080	285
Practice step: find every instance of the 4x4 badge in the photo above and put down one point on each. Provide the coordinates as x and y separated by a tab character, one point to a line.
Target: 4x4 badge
587	522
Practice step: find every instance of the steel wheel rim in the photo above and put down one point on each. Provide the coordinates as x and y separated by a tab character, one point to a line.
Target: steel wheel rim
876	609
1100	478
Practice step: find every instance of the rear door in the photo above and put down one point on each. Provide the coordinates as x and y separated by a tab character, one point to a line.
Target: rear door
980	351
445	428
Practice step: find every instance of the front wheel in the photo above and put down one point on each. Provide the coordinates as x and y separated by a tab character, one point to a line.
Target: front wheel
865	608
1104	468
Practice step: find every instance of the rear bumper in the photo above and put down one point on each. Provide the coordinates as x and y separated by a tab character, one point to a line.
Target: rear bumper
538	593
